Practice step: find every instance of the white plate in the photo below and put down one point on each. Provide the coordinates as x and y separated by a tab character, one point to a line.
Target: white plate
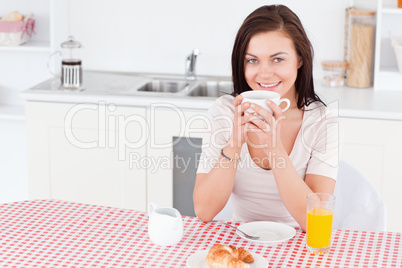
268	231
198	260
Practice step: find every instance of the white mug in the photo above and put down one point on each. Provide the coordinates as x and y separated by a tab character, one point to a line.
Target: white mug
165	225
260	96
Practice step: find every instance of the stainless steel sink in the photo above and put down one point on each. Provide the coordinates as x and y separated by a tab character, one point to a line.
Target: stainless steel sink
167	86
211	89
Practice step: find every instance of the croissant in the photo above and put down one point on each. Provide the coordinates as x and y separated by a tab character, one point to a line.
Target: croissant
221	256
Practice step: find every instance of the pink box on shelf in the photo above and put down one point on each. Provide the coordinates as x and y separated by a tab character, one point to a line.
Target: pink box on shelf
16	33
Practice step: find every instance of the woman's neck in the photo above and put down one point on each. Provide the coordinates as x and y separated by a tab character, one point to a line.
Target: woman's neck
292	96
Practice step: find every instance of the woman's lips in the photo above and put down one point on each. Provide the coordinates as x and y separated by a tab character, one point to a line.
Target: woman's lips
269	86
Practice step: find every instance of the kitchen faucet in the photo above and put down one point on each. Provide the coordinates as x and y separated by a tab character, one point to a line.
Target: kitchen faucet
190	65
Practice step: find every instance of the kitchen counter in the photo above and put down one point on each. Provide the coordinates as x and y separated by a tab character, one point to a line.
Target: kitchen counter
363	102
113	88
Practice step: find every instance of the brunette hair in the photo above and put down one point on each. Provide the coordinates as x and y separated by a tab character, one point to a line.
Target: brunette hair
275	18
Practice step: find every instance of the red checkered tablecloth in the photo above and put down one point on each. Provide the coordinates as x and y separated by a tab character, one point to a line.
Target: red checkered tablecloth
51	233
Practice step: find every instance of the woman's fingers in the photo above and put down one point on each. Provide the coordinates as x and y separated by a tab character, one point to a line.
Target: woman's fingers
255	123
258	124
262	119
240	107
239	120
261	111
275	108
246	118
237	100
277	111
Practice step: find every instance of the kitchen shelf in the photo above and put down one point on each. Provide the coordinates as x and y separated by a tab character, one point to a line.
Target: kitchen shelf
390	70
30	46
388	9
386	73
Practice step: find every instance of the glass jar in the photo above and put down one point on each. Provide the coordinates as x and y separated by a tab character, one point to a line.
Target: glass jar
334	73
360	48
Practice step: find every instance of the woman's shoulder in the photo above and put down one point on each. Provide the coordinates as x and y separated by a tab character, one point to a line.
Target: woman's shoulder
320	112
222	105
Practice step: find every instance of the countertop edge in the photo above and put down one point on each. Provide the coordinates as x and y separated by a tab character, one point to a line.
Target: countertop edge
138	101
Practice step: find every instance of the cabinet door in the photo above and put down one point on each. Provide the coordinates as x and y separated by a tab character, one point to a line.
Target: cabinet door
167	125
83	153
374	147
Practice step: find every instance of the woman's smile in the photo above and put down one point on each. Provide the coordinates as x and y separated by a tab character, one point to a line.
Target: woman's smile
269	86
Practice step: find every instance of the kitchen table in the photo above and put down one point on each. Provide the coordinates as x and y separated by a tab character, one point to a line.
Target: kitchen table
54	233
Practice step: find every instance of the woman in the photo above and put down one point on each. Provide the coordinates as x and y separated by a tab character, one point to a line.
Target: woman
268	166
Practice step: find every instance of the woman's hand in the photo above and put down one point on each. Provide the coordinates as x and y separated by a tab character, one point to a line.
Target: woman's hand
238	136
265	133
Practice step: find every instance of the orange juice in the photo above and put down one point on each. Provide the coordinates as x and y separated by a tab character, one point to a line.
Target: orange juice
319	225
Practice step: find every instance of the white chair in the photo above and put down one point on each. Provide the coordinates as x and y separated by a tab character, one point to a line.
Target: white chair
358	205
226	213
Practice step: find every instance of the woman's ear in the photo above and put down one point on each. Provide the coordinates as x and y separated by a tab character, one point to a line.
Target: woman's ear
300	63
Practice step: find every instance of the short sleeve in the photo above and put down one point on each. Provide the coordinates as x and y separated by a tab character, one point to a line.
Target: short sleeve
220	123
327	131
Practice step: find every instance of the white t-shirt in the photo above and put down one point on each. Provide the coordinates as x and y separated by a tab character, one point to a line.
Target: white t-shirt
255	196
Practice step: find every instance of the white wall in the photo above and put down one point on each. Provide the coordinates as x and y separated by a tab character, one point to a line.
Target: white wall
156	36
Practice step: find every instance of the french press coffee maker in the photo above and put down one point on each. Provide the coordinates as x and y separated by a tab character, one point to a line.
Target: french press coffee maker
71	64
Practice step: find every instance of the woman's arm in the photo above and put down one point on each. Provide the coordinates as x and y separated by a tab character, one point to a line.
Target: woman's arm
293	189
212	190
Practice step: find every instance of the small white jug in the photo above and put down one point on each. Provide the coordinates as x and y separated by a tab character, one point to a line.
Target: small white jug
165	226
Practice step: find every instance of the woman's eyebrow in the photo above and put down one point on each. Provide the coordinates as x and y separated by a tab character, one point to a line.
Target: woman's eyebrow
278	53
273	55
249	54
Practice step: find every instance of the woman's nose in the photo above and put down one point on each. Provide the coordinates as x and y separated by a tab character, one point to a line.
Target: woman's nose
265	70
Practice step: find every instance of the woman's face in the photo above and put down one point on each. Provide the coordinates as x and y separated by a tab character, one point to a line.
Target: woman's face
271	63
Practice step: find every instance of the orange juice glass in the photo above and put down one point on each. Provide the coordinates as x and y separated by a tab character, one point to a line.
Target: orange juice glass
320	211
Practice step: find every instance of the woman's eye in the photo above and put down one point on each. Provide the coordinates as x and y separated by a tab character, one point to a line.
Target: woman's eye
278	60
252	60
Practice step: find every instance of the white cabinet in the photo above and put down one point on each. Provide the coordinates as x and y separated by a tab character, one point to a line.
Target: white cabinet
83	152
374	147
104	154
389	19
